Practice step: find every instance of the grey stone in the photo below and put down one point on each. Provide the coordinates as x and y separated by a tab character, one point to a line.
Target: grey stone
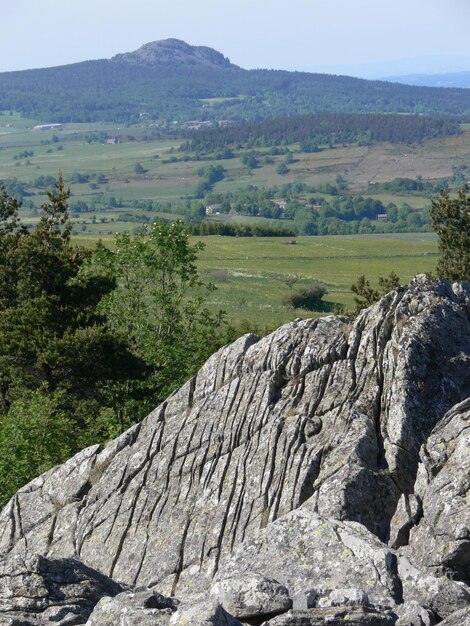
413	614
335	616
139	607
306	599
203	613
239	445
251	595
43	591
441	540
459	618
345	597
311	435
408	513
304	551
442	595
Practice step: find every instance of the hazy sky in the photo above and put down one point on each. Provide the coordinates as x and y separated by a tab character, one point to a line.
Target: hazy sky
361	37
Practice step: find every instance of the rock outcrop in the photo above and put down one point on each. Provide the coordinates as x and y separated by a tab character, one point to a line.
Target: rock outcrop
317	475
175	53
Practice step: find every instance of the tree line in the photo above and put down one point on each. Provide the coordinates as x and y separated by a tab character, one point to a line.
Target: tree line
240	230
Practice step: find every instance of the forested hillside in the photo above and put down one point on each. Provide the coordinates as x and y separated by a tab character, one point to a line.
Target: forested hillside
315	129
177	82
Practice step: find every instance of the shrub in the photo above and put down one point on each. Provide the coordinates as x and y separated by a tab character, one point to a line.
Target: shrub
308	298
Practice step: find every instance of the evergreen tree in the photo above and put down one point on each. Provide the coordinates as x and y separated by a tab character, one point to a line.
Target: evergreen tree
51	335
55	349
366	295
451	220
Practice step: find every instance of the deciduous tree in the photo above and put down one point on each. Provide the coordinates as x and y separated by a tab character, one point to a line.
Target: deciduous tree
159	305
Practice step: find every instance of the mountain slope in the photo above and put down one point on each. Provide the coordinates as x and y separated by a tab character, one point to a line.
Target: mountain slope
169	79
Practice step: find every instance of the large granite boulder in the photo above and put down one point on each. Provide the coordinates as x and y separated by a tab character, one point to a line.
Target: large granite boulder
318	427
305	551
441	539
36	591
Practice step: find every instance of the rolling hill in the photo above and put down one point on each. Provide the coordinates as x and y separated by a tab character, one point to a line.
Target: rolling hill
171	80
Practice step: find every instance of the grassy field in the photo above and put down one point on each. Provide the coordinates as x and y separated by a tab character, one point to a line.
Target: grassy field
250	273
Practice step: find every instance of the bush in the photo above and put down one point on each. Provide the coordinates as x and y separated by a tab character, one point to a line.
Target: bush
282	169
34	435
308	298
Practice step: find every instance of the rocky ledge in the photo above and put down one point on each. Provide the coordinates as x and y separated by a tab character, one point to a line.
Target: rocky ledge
319	475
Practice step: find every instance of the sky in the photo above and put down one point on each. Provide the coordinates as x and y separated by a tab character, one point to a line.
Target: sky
366	38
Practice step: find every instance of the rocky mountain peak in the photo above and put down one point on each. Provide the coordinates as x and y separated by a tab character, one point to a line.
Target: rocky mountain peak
315	475
177	53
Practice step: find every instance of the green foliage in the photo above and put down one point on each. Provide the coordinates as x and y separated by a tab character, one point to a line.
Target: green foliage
319	129
240	230
366	296
387	283
51	335
139	169
307	298
159	305
54	346
282	169
336	215
211	175
35	435
250	159
451	221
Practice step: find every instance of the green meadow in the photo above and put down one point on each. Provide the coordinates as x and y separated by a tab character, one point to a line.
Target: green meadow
252	274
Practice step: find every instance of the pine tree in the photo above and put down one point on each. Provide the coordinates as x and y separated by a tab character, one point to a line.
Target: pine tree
451	220
51	334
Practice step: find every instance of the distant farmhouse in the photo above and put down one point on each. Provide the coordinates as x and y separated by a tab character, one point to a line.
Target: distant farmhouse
213	209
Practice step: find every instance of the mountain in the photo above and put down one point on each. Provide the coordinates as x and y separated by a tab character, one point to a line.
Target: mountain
317	475
171	80
449	80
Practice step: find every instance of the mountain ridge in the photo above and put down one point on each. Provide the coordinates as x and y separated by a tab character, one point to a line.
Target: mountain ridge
171	80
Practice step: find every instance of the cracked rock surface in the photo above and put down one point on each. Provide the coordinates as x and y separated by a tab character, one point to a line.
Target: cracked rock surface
295	459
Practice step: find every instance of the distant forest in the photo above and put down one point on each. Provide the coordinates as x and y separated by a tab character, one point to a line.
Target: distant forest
318	129
116	91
